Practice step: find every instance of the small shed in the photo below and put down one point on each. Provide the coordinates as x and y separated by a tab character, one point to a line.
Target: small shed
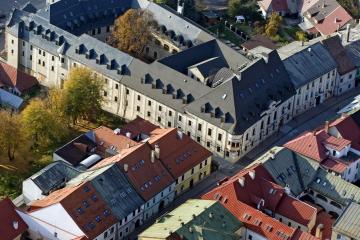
240	19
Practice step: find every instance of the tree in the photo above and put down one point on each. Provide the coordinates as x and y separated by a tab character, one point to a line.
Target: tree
132	31
301	36
41	125
234	7
273	24
83	94
10	133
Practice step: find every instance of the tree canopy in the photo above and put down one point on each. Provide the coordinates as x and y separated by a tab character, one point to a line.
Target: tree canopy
10	133
83	94
132	31
273	24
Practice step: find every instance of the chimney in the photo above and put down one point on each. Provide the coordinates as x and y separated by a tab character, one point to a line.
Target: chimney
241	181
117	131
326	128
211	215
252	174
336	20
126	167
157	151
287	189
319	231
347	32
343	115
128	134
152	156
180	134
180	7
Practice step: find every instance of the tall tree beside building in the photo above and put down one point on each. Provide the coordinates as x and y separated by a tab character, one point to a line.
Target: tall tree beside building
83	94
10	133
41	125
132	31
273	24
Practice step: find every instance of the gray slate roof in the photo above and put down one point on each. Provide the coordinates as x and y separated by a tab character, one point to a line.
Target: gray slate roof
117	192
349	222
309	64
290	168
234	107
54	176
353	51
9	99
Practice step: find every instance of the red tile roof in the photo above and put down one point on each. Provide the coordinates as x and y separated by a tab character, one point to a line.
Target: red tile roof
258	194
334	165
348	129
12	77
105	138
308	144
82	196
253	219
295	209
149	178
8	219
138	126
325	219
300	235
334	21
275	5
178	154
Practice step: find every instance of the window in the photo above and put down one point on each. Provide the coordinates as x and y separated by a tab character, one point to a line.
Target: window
180	118
99	30
199	127
160	108
218	149
39	61
31	47
169	124
43	63
170	113
219	137
253	133
138	108
208	144
127	91
247	136
85	203
149	103
105	234
198	139
116	86
138	97
23	54
148	114
40	51
189	123
108	29
159	119
97	218
192	171
62	60
105	93
52	58
209	131
52	68
44	53
115	99
30	57
155	54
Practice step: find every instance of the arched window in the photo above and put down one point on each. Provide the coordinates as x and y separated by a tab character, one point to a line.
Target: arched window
321	197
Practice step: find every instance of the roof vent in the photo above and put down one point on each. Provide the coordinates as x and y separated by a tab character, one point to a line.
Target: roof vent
15	225
224	96
309	49
211	215
252	174
241	181
117	131
126	167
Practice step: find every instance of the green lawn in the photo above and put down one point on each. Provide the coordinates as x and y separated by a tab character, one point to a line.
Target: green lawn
226	34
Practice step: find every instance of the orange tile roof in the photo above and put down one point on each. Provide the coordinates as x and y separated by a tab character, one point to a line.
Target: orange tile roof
179	155
258	194
12	77
108	138
8	216
148	178
85	206
300	235
334	165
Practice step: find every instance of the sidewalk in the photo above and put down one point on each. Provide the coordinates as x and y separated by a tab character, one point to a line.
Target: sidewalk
306	121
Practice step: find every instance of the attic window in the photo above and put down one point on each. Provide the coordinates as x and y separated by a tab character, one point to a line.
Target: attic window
98	218
106	212
86	189
86	204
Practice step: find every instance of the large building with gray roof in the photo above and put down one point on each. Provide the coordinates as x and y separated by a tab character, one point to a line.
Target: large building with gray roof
201	86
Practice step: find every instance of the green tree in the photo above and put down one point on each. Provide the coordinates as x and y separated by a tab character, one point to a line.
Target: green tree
132	31
234	7
83	94
10	133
